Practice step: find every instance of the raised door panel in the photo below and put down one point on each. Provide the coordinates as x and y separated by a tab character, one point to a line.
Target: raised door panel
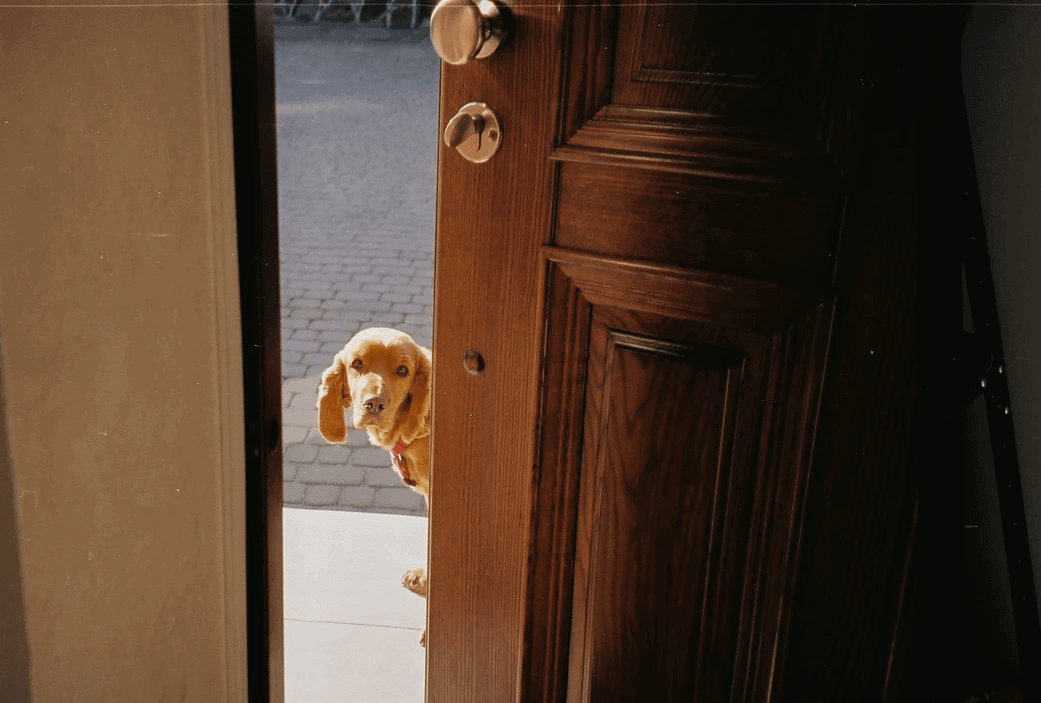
764	79
731	121
658	449
677	415
737	60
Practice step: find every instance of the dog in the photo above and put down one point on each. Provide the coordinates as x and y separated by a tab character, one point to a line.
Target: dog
382	378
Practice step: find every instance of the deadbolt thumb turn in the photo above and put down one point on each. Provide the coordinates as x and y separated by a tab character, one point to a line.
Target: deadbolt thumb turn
475	132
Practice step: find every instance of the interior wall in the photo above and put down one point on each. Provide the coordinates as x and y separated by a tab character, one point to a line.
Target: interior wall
119	301
1001	69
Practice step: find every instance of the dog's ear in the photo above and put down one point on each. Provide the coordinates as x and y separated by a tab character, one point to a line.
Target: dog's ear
418	422
333	396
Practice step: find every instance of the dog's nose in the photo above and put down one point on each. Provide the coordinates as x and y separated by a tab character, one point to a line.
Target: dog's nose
375	404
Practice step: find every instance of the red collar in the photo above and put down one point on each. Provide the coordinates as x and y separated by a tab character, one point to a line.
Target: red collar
400	465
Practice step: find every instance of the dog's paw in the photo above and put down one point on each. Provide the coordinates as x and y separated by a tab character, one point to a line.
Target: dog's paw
423	638
415	580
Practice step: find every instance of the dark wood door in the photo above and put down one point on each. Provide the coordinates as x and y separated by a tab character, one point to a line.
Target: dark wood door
682	473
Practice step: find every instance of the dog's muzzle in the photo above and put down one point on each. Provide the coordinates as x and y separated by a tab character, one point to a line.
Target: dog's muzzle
375	405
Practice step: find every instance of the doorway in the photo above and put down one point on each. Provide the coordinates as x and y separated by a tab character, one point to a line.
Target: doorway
356	112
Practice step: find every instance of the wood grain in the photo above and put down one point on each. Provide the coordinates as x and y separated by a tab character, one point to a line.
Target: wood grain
632	336
766	73
692	427
757	230
857	539
649	509
747	63
492	219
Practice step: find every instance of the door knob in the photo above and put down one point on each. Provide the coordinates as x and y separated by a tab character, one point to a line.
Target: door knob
475	132
463	30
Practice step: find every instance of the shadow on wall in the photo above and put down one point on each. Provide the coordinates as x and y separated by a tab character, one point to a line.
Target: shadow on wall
1001	79
15	669
1003	103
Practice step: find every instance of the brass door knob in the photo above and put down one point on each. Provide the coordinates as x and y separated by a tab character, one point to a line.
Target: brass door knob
475	132
463	30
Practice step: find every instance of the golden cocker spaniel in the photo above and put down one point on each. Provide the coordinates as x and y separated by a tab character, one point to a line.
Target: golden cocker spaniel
382	378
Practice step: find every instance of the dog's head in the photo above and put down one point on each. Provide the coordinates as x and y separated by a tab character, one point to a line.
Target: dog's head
382	377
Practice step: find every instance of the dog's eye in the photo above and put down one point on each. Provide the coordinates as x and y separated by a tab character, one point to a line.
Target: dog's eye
403	370
356	364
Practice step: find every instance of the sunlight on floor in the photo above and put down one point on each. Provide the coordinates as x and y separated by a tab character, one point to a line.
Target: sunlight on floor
351	630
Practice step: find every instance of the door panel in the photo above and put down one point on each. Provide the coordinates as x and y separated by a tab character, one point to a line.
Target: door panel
740	61
741	90
717	147
674	218
687	475
696	236
646	514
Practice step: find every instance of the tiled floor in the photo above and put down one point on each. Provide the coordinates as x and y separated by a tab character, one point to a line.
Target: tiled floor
351	630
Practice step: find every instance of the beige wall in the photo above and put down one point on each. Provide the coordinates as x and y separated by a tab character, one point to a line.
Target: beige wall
118	300
1002	74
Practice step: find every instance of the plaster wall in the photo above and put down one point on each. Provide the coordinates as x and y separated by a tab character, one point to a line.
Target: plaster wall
121	333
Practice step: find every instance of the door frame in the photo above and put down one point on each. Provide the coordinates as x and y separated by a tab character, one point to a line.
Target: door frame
251	37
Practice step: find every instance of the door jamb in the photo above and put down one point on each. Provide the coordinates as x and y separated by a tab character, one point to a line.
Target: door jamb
251	30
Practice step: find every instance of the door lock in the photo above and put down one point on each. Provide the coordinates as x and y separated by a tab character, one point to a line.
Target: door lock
474	132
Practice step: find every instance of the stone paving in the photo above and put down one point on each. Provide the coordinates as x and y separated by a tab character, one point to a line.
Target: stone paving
357	141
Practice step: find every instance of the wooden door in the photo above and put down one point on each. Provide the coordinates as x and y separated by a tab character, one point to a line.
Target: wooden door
682	473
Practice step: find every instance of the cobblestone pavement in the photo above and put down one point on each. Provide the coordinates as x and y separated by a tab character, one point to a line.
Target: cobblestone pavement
357	140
